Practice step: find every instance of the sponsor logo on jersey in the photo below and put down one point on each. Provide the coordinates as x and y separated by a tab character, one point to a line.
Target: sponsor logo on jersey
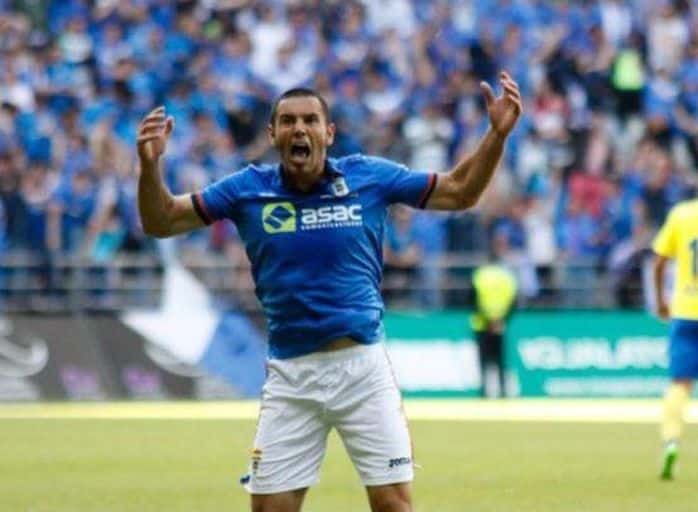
336	216
279	218
282	217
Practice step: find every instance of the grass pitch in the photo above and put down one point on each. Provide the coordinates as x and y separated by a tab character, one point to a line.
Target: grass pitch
105	465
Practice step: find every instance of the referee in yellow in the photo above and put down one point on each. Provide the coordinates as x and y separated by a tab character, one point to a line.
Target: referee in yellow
678	239
495	291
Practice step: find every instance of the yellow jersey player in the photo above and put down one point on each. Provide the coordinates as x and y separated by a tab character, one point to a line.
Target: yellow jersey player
678	240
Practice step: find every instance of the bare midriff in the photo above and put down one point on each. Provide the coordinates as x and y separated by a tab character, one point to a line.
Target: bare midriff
339	344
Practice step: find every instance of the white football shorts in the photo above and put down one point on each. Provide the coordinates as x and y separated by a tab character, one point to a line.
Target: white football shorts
352	390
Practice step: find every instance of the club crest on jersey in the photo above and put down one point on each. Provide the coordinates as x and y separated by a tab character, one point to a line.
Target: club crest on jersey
339	187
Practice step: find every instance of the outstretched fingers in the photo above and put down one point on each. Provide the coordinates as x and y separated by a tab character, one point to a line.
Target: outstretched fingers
488	92
151	129
151	125
154	126
514	97
143	139
169	125
511	91
157	111
157	114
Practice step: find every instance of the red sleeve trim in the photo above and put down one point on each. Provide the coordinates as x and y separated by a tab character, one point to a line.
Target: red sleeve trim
200	208
424	198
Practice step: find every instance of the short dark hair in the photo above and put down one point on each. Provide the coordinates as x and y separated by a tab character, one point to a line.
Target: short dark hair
300	92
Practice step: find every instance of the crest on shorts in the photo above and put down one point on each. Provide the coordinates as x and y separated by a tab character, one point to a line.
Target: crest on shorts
255	458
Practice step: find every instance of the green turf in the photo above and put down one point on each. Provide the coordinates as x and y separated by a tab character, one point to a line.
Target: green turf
185	465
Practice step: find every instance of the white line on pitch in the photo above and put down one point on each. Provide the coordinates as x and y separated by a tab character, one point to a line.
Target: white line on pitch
635	411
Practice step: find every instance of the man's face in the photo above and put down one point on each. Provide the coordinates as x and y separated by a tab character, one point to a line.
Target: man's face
301	134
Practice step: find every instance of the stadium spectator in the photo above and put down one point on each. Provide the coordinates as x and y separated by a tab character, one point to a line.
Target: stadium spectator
602	79
70	210
429	133
579	242
509	244
686	108
661	188
626	260
667	36
402	254
431	232
541	251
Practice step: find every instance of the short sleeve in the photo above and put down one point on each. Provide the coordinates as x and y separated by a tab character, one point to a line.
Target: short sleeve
402	185
665	242
218	200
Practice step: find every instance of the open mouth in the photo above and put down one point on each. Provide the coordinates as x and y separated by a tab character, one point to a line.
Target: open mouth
300	150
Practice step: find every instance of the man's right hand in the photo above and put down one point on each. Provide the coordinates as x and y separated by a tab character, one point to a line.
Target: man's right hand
153	133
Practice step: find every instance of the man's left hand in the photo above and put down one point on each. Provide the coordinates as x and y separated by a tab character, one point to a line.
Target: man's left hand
504	110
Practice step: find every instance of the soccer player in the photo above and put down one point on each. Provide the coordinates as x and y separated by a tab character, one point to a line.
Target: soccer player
678	239
312	228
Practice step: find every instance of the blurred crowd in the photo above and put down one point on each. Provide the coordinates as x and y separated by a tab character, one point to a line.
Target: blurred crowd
608	142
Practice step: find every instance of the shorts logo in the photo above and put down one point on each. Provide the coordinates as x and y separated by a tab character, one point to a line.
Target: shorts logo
279	218
400	461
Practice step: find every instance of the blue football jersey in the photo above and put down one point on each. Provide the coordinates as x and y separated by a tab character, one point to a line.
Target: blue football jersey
316	257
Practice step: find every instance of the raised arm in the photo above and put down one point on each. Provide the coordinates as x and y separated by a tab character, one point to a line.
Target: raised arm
463	185
162	214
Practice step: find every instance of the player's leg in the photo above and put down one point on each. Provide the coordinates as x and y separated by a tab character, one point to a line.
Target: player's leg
489	364
366	409
482	355
683	369
290	501
675	401
390	498
290	440
498	341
